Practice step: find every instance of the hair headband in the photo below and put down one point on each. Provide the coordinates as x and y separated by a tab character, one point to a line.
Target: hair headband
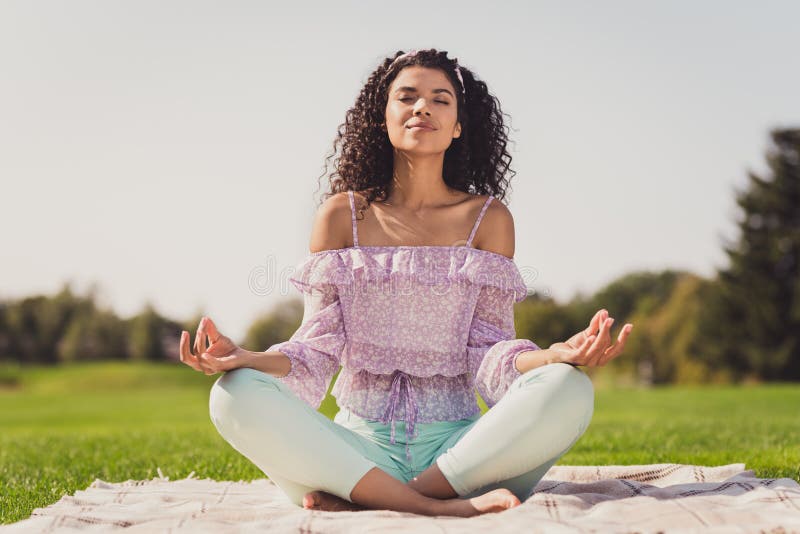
414	52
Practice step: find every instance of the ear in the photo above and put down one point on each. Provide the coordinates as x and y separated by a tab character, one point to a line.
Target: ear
457	132
383	126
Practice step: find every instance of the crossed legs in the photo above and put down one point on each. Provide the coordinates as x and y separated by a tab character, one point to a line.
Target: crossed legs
488	466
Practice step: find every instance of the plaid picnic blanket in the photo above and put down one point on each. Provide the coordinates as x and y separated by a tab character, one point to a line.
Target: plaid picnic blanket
617	498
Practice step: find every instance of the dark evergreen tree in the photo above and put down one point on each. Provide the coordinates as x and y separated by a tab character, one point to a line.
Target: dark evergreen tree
756	310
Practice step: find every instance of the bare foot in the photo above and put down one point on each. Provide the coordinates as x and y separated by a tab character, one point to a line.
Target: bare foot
321	500
490	502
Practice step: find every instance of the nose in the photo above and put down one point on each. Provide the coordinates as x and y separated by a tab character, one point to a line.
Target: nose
420	106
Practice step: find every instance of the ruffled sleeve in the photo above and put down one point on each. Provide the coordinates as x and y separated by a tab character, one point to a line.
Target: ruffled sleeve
315	348
493	346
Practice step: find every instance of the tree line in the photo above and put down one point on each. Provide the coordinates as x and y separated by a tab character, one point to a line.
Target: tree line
741	324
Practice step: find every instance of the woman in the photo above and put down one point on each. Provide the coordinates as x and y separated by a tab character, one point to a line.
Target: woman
409	287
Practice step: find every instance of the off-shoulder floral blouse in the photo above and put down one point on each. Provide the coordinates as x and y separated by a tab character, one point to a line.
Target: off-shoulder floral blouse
416	329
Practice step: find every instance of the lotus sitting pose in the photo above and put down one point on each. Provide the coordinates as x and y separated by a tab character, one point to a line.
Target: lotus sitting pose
409	290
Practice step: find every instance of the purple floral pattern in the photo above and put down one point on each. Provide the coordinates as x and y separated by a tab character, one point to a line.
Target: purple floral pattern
429	324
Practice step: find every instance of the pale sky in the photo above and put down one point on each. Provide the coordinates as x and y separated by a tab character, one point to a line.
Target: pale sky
168	150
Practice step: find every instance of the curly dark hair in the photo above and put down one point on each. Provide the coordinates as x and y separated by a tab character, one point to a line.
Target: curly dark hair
476	162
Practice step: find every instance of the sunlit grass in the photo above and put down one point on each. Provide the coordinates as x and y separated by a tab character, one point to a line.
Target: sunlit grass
61	428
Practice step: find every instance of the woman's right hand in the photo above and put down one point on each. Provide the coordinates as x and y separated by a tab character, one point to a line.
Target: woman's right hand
220	355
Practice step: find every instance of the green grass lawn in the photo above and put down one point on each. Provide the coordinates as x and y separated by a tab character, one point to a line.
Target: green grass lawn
60	428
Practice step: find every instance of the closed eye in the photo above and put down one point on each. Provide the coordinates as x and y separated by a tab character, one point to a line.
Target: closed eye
439	101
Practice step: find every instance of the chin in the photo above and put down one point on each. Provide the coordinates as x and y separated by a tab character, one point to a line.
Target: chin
420	150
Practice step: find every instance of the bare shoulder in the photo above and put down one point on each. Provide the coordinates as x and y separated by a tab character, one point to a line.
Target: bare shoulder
332	228
496	230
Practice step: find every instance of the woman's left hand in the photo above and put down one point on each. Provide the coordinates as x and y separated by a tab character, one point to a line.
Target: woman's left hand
592	346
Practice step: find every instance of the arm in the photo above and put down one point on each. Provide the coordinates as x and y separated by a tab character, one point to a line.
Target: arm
313	350
271	362
493	347
527	360
215	353
282	364
492	334
310	358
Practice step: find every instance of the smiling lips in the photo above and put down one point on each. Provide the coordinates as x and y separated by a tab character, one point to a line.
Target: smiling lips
421	126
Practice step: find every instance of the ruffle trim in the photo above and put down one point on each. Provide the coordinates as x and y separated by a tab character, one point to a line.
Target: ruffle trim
429	265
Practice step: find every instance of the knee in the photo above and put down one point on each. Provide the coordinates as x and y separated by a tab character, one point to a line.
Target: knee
574	390
236	394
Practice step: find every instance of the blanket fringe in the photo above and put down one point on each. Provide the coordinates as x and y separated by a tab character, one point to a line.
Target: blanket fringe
161	476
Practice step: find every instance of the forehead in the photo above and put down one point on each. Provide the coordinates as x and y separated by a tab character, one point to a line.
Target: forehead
423	78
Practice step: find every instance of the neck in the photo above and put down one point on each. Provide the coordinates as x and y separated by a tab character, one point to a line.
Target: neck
417	182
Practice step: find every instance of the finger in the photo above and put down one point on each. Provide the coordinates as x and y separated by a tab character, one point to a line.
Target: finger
218	349
186	355
211	328
196	355
602	316
596	321
180	349
577	356
203	366
215	349
198	338
602	342
583	350
210	363
616	349
612	352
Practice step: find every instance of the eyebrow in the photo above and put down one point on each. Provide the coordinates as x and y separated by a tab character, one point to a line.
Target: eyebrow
414	90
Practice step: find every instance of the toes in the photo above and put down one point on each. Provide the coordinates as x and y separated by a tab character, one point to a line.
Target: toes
310	500
510	500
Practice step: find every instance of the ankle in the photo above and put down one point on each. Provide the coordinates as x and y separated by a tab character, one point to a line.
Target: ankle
449	507
432	483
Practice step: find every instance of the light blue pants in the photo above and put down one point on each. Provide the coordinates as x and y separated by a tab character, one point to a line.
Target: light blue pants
543	414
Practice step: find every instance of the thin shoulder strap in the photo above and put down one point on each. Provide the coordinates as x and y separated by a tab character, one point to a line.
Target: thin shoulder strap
353	217
478	222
